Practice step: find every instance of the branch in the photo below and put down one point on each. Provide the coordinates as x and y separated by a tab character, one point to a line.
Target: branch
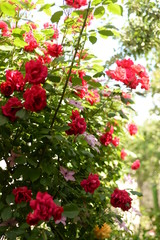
75	53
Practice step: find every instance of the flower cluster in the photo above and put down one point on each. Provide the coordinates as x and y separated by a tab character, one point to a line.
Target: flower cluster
22	194
121	199
78	124
5	30
102	232
44	208
91	183
130	74
132	128
76	3
107	138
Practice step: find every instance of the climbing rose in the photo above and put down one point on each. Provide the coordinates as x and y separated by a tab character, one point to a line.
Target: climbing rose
31	41
35	98
106	138
136	165
76	3
123	154
115	141
11	107
121	199
16	78
44	208
22	194
91	183
132	128
78	124
54	50
7	88
36	72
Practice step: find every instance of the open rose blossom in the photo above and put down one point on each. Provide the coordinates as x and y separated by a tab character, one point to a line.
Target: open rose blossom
44	208
123	154
136	165
76	3
35	98
32	43
16	78
11	107
78	124
130	74
36	72
22	194
91	183
132	128
121	199
54	50
7	88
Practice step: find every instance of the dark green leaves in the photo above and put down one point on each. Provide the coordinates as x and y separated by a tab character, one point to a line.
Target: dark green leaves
139	194
3	120
71	210
56	16
93	39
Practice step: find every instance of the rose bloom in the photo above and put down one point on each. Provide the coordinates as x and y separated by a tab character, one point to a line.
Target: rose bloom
132	128
78	124
76	3
54	50
106	138
22	194
123	154
115	141
92	96
136	165
32	43
7	88
91	183
57	212
35	98
11	107
3	25
121	199
36	72
16	78
32	219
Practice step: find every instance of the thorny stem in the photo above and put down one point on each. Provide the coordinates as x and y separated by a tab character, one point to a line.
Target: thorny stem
75	53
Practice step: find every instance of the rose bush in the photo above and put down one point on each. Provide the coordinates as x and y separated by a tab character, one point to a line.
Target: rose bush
60	117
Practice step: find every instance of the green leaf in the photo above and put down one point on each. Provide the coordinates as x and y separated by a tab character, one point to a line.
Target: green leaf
99	74
106	33
18	31
139	194
6	213
10	199
76	81
19	42
115	9
111	114
34	174
46	6
96	2
3	120
56	16
123	115
8	9
6	48
71	210
93	39
22	114
54	78
94	84
99	12
21	160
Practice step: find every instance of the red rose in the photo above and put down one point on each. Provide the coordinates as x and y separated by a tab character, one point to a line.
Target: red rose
76	3
32	43
123	154
91	183
78	124
3	25
36	72
92	96
115	141
43	206
11	107
57	212
22	194
106	138
121	199
132	128
16	78
136	165
54	50
125	63
32	219
7	88
35	98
